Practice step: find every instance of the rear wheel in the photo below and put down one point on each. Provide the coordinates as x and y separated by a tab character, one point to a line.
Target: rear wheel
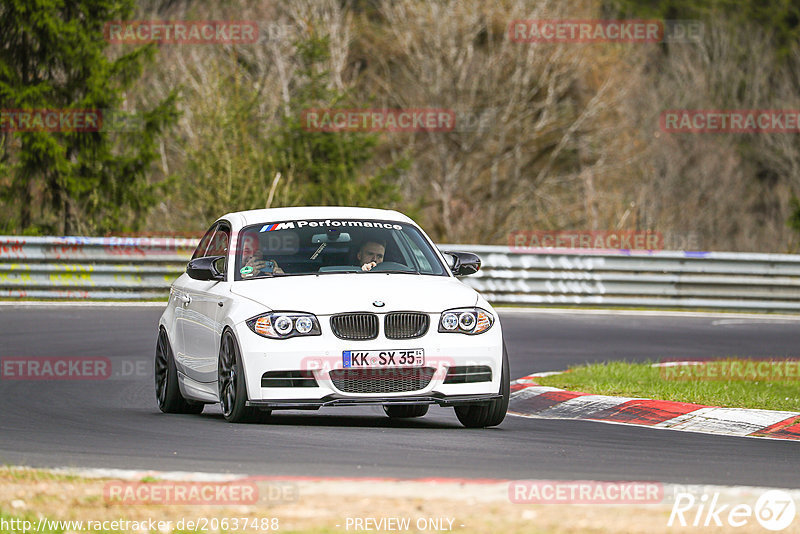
405	411
231	384
492	413
168	393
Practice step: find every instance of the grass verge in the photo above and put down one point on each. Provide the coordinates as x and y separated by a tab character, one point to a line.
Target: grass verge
644	380
329	507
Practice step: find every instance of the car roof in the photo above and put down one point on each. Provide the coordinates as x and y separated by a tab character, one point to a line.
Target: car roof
316	212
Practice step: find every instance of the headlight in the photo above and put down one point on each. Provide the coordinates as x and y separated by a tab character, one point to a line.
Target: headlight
466	321
304	325
284	325
449	321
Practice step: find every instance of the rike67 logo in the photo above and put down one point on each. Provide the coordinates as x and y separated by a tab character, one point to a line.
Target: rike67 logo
774	510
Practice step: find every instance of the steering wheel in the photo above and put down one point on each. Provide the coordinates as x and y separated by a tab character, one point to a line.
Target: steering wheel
391	266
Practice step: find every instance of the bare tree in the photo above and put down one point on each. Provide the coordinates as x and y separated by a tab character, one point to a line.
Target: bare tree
523	111
547	136
730	188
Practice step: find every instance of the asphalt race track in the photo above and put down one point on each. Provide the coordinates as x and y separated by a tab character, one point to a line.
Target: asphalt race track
116	423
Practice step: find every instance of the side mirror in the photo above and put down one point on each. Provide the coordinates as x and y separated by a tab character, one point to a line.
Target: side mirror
463	263
207	268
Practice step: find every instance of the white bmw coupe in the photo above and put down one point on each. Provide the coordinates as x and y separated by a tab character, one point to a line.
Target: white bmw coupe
300	308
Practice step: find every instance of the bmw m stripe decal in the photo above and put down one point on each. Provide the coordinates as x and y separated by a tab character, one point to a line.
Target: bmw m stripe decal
328	223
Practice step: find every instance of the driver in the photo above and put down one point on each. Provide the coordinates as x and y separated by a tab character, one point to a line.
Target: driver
251	256
370	254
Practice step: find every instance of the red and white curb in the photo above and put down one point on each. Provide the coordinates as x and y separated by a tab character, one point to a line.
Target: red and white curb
528	399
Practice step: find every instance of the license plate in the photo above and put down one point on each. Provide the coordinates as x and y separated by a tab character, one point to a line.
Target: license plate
383	358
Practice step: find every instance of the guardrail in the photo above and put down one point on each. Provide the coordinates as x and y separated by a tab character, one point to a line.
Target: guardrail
723	280
133	268
143	268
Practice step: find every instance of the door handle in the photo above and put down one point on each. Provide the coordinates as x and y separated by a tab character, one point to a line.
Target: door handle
185	299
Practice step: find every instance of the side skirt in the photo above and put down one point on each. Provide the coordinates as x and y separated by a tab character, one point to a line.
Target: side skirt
197	391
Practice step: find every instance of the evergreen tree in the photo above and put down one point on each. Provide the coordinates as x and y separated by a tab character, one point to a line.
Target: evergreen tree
236	163
330	168
54	56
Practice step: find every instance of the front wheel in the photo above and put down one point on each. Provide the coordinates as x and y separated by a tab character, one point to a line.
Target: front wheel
493	413
405	411
168	393
231	384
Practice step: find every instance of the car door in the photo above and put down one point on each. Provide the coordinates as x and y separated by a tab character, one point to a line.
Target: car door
201	328
181	289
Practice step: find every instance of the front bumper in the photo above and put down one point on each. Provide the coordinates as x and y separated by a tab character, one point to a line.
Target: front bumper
322	354
339	400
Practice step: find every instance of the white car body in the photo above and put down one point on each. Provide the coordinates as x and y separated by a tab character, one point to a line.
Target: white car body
200	311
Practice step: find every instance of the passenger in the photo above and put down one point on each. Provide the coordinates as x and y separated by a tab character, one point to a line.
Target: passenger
252	257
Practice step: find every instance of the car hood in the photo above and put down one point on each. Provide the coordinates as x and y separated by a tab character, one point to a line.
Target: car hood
335	293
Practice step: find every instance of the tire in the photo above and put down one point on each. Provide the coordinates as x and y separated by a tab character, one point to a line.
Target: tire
493	413
231	384
168	393
405	411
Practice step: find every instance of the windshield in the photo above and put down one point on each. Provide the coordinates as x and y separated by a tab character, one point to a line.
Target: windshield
362	246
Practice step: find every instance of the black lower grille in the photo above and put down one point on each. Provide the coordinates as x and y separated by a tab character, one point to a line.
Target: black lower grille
386	380
355	326
288	379
468	374
405	325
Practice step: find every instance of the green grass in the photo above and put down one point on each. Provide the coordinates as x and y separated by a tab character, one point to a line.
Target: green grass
643	380
34	475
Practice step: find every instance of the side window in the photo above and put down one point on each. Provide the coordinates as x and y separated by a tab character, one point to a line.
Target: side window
420	261
200	251
422	253
219	244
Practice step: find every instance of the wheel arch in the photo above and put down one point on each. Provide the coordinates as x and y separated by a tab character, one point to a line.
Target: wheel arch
232	329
